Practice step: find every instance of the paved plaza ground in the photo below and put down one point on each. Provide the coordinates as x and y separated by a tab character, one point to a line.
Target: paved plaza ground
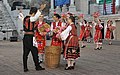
91	62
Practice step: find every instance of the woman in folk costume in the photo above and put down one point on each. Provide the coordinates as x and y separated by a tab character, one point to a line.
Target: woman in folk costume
57	23
82	37
64	20
88	34
41	38
72	50
109	31
98	35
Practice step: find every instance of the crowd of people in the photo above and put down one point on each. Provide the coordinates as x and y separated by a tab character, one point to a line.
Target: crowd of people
63	30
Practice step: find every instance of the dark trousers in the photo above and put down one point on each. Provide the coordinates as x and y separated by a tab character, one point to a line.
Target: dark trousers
27	48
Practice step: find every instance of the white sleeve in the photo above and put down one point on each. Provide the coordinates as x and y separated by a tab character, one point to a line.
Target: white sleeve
100	26
65	33
63	24
32	19
80	24
95	24
106	28
51	28
20	16
91	26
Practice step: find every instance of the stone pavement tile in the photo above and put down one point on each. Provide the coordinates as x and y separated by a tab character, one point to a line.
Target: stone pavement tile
91	62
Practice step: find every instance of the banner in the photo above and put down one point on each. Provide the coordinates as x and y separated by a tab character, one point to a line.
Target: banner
107	1
61	2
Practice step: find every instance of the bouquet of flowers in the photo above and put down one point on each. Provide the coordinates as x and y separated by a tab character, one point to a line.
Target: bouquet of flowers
112	28
81	18
63	15
44	28
58	30
96	16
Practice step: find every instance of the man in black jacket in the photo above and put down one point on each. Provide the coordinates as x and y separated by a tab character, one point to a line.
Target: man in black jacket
29	27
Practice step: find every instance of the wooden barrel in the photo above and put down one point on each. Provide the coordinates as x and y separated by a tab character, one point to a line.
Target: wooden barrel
52	56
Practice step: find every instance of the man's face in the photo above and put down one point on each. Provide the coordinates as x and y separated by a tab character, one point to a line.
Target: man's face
41	17
55	18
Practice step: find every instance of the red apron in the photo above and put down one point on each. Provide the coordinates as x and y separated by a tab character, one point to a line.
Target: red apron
98	34
87	31
41	40
82	33
72	43
109	34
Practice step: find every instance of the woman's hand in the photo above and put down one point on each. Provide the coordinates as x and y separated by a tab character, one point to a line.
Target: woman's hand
42	6
54	30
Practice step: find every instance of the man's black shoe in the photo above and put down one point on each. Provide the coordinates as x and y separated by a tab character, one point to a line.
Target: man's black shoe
83	46
26	70
39	68
62	52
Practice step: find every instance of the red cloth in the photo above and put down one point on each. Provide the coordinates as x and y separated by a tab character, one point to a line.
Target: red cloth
74	39
108	34
82	33
98	34
41	40
87	31
55	40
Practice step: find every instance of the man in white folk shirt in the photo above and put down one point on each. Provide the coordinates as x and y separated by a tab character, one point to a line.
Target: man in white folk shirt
29	27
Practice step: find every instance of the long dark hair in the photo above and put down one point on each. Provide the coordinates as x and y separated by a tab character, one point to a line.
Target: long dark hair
57	15
33	10
85	21
72	18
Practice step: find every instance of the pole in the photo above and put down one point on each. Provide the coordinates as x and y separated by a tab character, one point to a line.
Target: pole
113	7
104	8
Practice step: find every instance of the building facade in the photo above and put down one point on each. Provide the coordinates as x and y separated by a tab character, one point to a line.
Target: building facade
76	6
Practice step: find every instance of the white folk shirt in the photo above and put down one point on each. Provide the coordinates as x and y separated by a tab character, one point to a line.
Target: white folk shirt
80	23
21	16
100	25
66	33
34	18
